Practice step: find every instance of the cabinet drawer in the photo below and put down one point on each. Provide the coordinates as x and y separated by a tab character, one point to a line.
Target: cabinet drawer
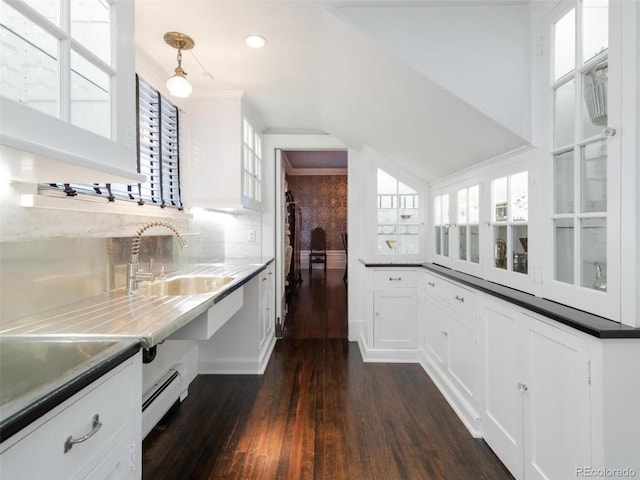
458	298
41	453
394	279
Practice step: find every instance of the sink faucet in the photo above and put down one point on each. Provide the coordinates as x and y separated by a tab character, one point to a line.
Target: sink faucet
133	275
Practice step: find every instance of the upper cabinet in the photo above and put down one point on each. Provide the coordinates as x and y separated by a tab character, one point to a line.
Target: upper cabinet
583	166
68	87
226	153
399	220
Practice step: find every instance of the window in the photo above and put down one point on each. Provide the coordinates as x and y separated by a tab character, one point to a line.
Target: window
579	88
469	224
158	156
252	162
509	217
441	223
56	58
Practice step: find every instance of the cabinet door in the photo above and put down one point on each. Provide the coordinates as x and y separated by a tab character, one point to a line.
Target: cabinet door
396	312
462	356
266	322
502	421
556	403
435	331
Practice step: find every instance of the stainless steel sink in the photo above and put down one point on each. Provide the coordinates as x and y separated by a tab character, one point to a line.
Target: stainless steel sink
185	285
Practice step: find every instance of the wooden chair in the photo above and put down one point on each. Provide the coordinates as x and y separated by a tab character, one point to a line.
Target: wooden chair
318	253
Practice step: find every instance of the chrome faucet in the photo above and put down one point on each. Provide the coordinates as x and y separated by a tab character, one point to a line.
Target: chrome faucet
133	275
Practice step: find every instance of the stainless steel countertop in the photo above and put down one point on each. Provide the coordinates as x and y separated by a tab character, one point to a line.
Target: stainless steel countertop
117	315
43	356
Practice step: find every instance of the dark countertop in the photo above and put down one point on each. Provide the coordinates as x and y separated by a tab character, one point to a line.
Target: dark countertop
586	322
37	376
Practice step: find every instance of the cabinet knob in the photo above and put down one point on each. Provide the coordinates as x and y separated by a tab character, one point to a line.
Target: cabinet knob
431	284
392	279
445	334
459	298
95	426
609	132
522	387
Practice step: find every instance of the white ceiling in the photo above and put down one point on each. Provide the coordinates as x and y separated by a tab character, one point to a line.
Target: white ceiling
319	72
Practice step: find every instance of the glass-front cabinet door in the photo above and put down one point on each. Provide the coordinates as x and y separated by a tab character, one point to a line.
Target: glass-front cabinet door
441	227
398	217
581	142
468	223
509	222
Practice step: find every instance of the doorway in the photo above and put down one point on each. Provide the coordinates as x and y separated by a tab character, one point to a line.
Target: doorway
314	232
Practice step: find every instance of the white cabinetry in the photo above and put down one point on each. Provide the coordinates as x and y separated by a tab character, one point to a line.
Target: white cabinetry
395	306
226	151
112	451
245	342
450	329
537	394
76	85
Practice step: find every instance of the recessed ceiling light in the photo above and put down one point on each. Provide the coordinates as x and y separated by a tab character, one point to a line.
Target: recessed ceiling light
255	41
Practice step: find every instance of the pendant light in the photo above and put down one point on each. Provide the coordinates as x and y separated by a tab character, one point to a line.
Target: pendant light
178	85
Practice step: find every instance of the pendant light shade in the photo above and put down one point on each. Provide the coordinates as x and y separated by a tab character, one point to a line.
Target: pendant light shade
178	85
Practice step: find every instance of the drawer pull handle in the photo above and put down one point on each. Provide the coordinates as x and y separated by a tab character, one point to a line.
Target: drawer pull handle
431	284
459	298
398	279
445	334
522	387
96	425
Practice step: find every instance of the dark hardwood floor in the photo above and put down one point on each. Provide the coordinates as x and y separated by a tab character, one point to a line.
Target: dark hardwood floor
318	412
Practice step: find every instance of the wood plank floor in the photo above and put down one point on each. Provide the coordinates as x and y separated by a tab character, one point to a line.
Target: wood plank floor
318	412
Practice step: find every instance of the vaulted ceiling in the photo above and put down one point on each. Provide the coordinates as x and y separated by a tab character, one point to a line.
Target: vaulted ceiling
433	86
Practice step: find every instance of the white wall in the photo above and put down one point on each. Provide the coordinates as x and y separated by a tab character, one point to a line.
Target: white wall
479	53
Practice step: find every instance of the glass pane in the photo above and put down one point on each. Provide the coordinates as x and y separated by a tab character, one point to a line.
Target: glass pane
474	204
564	115
474	244
462	251
462	207
402	188
409	202
564	250
445	241
28	62
90	98
594	111
500	199
594	177
445	210
593	239
247	159
520	197
519	248
564	45
49	9
500	247
564	182
388	217
386	183
407	244
438	240
248	185
595	28
387	244
437	210
91	26
257	144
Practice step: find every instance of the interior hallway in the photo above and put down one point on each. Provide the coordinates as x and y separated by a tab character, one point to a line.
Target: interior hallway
318	412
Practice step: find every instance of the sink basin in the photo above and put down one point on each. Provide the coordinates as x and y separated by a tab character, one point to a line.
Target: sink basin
187	285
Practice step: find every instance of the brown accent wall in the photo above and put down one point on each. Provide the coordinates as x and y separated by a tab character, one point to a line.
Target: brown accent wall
323	203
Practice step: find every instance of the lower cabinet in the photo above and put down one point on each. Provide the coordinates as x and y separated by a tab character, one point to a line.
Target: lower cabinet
537	395
267	306
113	447
395	309
450	327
